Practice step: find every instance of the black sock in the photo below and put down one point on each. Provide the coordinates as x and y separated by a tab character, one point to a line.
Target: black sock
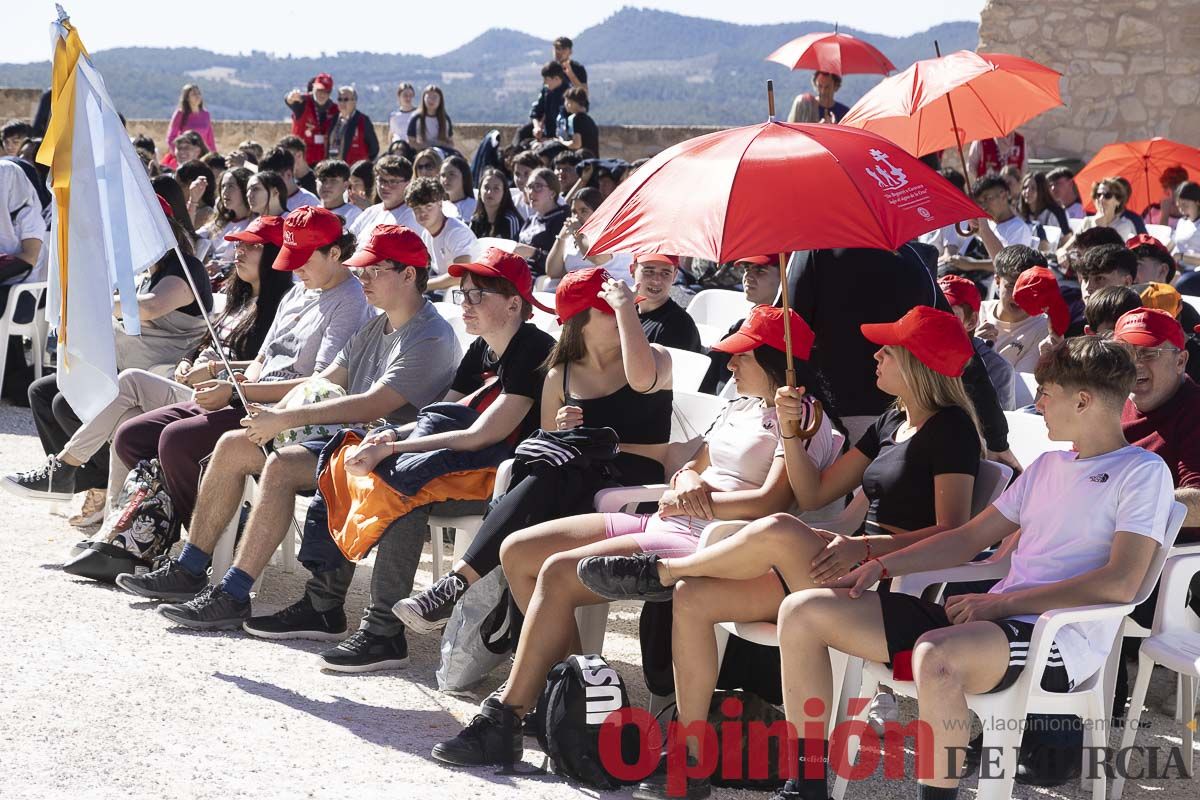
811	782
938	793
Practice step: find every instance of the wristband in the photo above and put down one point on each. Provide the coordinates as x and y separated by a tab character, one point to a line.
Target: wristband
883	567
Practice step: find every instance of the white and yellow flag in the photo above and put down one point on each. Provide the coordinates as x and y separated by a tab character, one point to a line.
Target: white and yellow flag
107	225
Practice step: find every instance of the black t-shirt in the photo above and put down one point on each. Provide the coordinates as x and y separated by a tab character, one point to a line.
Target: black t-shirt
589	132
170	266
718	371
580	72
309	181
670	326
899	480
519	369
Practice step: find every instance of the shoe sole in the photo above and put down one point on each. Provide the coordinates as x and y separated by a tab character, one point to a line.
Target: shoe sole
615	596
12	486
414	622
357	669
448	758
312	636
218	625
137	591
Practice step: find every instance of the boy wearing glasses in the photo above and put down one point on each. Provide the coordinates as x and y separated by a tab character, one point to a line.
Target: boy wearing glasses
1162	414
448	239
392	174
502	372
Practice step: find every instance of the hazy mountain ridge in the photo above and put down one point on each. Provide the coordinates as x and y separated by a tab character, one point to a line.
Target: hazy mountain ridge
644	67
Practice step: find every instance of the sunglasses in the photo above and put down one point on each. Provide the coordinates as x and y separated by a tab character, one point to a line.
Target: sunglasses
1105	196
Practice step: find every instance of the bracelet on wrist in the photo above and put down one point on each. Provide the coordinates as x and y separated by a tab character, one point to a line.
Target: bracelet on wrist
883	569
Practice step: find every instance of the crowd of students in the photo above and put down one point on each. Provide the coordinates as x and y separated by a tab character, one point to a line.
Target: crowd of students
347	381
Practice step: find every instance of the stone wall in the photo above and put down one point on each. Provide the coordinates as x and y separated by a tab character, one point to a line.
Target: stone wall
629	142
1131	68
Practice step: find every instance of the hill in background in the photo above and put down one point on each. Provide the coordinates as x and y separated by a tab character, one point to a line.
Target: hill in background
644	67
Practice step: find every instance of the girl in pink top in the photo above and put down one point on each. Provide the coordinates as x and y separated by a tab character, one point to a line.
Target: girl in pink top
190	116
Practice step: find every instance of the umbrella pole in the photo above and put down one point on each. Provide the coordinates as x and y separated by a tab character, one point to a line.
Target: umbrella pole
958	142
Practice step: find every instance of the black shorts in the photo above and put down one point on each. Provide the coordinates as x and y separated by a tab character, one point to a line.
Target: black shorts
907	618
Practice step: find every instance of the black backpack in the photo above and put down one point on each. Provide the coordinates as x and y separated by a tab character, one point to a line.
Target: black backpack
579	695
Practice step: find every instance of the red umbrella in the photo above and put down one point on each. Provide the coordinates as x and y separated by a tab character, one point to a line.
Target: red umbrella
772	188
1142	164
977	95
838	53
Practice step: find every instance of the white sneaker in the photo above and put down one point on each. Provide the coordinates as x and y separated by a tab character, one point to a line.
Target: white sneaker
883	709
92	512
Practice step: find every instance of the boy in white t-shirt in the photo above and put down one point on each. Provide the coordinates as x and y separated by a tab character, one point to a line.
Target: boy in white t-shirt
1002	228
1091	521
333	178
448	240
1014	333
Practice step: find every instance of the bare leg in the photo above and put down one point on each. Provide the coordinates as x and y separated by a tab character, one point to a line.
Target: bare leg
948	664
550	633
233	459
700	603
523	553
286	473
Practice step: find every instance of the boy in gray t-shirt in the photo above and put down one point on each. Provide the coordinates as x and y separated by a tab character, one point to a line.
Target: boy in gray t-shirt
400	361
311	327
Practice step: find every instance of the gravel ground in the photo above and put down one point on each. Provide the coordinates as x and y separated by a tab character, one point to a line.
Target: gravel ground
100	698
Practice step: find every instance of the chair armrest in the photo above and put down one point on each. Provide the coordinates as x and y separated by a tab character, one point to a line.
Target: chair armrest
503	478
917	582
722	529
621	497
1050	622
1173	591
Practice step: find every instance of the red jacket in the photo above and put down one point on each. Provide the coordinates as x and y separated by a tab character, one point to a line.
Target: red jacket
305	125
357	150
991	160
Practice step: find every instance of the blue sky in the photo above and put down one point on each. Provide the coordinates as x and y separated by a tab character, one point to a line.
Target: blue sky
308	27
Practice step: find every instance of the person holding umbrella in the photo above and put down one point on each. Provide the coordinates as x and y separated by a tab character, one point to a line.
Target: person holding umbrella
831	55
822	107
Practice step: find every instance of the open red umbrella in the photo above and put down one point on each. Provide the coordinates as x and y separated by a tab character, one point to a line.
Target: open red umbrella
1142	164
772	188
976	95
838	53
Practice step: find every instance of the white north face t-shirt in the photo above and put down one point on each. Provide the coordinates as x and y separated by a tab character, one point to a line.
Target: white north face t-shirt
1069	510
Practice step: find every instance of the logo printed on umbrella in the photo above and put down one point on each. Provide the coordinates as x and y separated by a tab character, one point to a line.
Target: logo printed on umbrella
887	175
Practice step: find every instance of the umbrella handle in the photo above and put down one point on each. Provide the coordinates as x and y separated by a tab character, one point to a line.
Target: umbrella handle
963	230
793	430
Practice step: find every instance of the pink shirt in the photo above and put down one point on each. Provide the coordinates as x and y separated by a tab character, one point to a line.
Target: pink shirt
198	121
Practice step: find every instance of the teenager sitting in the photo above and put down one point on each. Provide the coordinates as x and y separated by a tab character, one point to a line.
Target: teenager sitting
398	362
737	473
1091	520
663	320
916	466
964	300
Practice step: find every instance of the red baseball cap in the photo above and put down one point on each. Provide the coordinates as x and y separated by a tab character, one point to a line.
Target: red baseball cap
580	290
936	338
262	230
495	263
1146	240
165	206
656	258
1036	292
305	230
762	261
960	291
391	243
1149	327
764	326
324	80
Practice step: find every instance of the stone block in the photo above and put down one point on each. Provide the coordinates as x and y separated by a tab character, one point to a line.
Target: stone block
1147	65
1097	34
1133	110
1023	28
1133	31
1183	91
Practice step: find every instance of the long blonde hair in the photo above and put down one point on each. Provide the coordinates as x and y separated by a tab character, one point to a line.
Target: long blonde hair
933	390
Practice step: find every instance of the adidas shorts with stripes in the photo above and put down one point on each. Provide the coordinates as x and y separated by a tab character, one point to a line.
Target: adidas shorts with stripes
907	618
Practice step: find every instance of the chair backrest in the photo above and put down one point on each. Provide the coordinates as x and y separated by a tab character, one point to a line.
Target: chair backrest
448	311
1192	301
687	369
1160	232
718	308
1028	438
1054	235
1075	224
1174	523
692	415
990	481
1026	389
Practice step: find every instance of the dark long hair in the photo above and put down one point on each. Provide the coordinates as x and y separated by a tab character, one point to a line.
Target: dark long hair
169	189
571	345
440	114
245	340
223	215
364	170
189	171
461	166
1044	198
184	108
774	363
273	182
479	219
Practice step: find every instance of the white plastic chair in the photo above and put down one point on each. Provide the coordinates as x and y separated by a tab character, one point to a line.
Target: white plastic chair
223	553
1162	233
465	527
1192	301
1075	223
37	329
1091	700
1054	235
1026	389
687	369
1174	643
1028	437
716	310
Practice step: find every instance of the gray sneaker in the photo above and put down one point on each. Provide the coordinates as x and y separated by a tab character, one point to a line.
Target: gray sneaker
168	581
632	577
212	610
429	611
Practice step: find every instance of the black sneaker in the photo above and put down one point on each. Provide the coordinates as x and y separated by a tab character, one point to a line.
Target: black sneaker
53	480
655	785
428	611
168	581
300	621
213	609
632	577
367	652
492	738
